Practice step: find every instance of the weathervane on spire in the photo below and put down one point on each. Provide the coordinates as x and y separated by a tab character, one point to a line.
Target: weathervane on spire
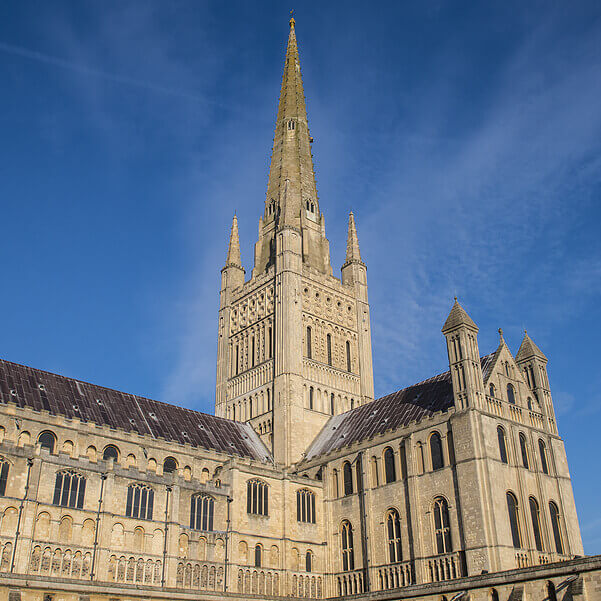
292	18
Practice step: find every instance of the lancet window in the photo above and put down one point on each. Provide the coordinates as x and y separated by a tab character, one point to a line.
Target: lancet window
389	465
4	467
514	521
348	554
436	451
556	527
535	516
502	444
393	530
442	526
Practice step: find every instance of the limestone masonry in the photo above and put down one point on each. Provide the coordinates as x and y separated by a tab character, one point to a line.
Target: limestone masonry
302	484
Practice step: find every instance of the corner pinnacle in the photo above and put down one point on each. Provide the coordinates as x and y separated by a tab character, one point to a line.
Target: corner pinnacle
233	250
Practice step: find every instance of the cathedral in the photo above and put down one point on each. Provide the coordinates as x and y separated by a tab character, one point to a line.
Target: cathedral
302	485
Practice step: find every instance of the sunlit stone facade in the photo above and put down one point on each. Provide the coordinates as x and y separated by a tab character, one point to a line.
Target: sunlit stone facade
302	485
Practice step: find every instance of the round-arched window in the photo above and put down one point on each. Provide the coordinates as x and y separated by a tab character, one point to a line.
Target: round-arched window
110	452
169	465
47	440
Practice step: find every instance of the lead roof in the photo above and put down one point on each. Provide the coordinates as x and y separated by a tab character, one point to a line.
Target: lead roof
390	412
73	399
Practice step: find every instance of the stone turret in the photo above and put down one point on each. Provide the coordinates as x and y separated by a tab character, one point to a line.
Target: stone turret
464	357
354	275
532	361
232	277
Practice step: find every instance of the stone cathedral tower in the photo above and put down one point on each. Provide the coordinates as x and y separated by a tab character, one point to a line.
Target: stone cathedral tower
294	342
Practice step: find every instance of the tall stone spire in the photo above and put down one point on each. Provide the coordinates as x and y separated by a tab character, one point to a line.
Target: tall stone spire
291	199
352	242
233	250
291	176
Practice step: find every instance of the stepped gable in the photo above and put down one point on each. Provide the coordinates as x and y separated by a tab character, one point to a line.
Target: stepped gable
390	412
72	399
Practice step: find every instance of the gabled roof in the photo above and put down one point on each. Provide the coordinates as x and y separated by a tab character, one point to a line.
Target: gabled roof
529	349
390	412
458	317
44	391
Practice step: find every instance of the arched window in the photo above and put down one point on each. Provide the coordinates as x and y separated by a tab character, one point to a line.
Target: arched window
257	497
348	356
543	456
308	561
442	526
551	591
511	394
535	515
47	440
4	466
529	402
291	124
311	395
494	595
393	529
309	349
110	452
332	404
436	451
556	527
169	465
202	508
502	444
258	555
140	502
514	521
347	476
335	486
491	390
389	465
305	506
69	489
329	348
270	343
346	539
524	450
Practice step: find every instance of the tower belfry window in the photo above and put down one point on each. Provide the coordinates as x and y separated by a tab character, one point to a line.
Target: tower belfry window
329	348
291	124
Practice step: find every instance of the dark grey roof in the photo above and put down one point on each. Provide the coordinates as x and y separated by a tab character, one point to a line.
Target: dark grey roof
69	398
388	413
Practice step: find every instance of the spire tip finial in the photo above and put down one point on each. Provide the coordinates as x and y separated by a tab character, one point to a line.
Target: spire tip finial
501	333
292	21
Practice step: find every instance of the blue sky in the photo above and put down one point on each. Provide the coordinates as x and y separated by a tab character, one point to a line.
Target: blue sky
465	136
